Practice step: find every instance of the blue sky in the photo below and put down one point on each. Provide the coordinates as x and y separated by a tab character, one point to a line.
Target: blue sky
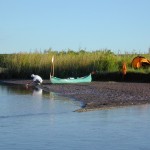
119	25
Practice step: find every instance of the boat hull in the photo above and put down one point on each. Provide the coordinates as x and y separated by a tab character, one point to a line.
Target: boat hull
85	79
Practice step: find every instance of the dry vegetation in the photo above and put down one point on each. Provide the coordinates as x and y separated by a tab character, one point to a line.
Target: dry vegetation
67	63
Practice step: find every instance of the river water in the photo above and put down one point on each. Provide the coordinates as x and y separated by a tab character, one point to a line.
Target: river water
31	119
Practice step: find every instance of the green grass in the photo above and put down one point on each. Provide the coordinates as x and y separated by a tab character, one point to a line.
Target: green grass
67	63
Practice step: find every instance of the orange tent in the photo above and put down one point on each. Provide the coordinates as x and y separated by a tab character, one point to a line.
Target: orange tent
140	61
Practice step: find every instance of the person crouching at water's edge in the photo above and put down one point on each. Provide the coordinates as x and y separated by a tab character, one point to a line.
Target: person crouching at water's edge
37	79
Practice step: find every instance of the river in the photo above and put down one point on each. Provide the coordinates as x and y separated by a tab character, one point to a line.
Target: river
31	119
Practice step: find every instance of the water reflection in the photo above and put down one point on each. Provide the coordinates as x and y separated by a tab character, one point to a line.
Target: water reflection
19	100
37	92
14	89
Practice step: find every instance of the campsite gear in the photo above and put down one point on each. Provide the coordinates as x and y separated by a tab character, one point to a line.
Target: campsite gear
124	69
85	79
139	62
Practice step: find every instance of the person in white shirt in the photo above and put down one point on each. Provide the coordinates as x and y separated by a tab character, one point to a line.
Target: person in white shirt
37	80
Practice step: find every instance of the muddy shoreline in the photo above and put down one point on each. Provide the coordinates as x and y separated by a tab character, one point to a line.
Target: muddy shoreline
99	95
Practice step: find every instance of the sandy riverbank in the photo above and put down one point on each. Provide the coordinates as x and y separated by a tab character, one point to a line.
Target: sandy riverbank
100	95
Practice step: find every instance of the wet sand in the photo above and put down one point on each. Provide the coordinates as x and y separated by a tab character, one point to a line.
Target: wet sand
99	95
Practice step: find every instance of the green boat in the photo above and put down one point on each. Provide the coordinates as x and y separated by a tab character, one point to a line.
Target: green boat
85	79
55	80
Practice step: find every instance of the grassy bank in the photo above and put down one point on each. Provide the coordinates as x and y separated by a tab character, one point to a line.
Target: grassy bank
68	63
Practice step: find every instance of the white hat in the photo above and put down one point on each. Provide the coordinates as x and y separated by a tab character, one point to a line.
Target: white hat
32	75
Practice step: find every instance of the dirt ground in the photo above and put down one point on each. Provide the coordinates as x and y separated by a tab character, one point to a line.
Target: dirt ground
99	95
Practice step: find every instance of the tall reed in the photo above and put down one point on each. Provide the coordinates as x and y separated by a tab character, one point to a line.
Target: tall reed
67	63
